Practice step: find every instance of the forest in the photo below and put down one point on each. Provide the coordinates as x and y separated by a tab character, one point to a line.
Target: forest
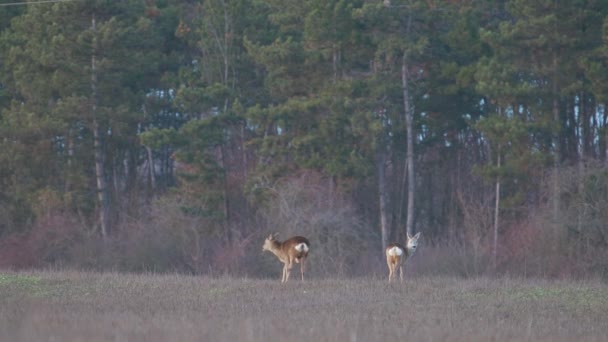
174	136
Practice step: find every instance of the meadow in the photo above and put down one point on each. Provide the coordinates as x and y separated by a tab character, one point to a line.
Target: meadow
81	306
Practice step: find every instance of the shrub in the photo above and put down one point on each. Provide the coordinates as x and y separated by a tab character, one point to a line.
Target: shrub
305	205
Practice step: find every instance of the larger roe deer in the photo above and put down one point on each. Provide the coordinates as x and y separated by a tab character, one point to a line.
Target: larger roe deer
292	250
396	255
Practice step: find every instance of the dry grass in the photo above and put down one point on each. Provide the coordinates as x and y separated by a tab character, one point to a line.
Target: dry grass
75	306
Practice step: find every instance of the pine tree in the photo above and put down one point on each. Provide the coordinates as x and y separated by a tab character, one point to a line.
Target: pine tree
81	71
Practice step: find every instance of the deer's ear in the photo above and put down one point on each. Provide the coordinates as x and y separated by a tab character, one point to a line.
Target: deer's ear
415	237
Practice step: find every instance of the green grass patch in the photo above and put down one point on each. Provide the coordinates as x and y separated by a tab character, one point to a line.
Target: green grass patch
73	306
19	279
22	285
565	296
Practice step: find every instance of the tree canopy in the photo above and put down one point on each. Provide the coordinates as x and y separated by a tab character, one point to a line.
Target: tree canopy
212	103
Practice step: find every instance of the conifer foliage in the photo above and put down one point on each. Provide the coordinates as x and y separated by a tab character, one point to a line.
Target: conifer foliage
413	112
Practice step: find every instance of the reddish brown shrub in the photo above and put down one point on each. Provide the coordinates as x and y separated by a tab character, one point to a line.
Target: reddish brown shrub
48	243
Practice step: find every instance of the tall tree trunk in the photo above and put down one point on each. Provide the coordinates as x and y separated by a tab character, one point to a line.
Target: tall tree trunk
409	122
592	111
243	146
402	190
131	169
70	146
556	142
383	196
496	213
605	127
585	127
583	139
152	173
335	61
102	196
225	194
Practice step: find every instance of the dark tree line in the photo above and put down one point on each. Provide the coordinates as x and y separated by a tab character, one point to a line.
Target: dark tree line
480	123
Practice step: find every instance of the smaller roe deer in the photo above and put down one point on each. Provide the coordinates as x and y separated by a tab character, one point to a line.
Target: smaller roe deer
396	255
288	251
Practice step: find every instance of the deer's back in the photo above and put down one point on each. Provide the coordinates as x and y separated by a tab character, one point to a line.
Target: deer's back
297	240
289	245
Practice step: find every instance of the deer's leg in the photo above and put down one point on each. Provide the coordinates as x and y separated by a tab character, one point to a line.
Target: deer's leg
302	267
390	269
288	267
401	272
284	272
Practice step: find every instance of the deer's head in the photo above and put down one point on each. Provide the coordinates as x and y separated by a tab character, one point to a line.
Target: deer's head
269	242
412	242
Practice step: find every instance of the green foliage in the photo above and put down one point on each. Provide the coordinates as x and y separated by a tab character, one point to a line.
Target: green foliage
47	70
510	139
585	198
157	138
227	96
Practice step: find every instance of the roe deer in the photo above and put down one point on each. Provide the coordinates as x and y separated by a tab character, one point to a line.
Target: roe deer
288	251
396	255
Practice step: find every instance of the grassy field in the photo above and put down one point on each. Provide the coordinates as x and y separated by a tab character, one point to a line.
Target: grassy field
74	306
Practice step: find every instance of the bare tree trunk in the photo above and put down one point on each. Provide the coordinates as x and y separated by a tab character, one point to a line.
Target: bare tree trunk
556	144
409	122
115	175
226	201
603	150
402	185
102	196
383	197
496	214
245	160
70	145
594	139
335	62
585	127
582	155
151	167
605	126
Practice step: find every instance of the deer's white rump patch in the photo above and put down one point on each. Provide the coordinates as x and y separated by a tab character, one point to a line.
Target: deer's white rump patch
395	251
301	247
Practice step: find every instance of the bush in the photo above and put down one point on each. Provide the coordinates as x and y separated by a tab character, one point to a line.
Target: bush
165	238
48	243
341	244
